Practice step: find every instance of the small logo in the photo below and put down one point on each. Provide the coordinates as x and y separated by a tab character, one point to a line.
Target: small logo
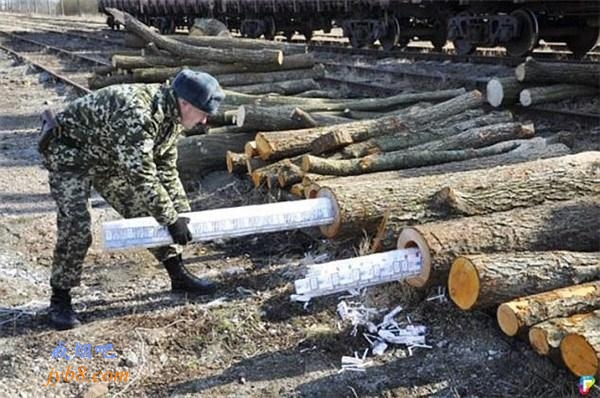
585	384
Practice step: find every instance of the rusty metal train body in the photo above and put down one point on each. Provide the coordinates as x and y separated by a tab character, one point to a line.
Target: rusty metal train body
516	24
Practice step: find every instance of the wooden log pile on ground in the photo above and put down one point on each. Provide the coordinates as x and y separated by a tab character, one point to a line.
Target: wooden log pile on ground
538	82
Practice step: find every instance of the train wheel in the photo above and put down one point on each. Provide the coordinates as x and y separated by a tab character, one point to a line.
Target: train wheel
403	42
288	35
464	46
440	35
270	29
583	42
528	34
392	34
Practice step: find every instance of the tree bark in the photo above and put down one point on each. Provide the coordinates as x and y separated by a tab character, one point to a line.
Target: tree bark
418	200
518	315
236	162
504	91
281	144
570	225
397	160
580	350
479	137
532	71
395	142
230	55
151	61
545	337
289	87
484	280
538	95
200	154
268	173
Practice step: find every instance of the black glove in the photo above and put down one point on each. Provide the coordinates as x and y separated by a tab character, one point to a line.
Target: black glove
180	232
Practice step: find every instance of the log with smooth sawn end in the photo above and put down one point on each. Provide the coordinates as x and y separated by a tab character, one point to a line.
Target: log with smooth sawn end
538	95
580	351
483	280
532	71
569	225
518	315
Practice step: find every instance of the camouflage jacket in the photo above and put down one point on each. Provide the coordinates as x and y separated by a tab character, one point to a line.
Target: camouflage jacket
131	131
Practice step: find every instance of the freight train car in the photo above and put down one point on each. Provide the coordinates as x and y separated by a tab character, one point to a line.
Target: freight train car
517	25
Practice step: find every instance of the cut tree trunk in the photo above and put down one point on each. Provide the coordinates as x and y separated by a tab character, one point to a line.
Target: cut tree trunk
268	173
251	77
395	142
200	154
360	205
281	144
532	71
479	137
485	280
396	160
177	48
518	315
289	87
545	337
250	149
570	225
580	350
150	61
538	95
236	162
504	91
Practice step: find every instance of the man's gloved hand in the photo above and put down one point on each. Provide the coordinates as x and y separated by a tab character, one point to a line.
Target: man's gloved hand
180	231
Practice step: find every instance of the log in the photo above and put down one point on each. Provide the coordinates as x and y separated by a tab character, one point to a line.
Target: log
532	71
236	162
444	128
580	350
268	173
297	190
253	163
250	149
250	78
188	51
304	118
200	154
289	174
479	137
360	205
483	280
570	225
120	61
229	130
226	116
504	91
289	87
518	315
538	95
545	337
281	144
396	160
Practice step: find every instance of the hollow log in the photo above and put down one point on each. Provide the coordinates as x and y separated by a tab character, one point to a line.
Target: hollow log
360	205
518	315
580	350
570	225
289	87
504	91
200	154
532	71
545	337
484	280
538	95
177	48
479	137
281	144
397	160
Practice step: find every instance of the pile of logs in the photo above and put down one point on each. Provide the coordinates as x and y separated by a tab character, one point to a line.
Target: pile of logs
540	82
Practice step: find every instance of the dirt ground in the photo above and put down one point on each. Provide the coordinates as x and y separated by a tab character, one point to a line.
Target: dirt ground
249	339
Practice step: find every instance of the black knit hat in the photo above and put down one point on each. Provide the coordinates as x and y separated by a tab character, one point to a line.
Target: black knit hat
199	89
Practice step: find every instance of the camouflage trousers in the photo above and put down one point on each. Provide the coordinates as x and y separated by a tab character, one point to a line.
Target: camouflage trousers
70	186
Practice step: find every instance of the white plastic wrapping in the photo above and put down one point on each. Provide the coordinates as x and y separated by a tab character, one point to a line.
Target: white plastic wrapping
221	223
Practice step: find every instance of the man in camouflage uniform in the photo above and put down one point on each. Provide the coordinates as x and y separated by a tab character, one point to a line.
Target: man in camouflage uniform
121	140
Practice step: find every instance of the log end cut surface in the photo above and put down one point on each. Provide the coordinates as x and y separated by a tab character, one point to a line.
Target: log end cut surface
507	320
332	229
578	355
538	338
408	238
463	283
495	93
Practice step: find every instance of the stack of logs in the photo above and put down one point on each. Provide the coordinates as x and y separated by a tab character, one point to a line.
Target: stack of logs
537	82
502	215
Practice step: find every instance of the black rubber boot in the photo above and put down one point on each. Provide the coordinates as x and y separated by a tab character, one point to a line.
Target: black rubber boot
61	313
183	280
